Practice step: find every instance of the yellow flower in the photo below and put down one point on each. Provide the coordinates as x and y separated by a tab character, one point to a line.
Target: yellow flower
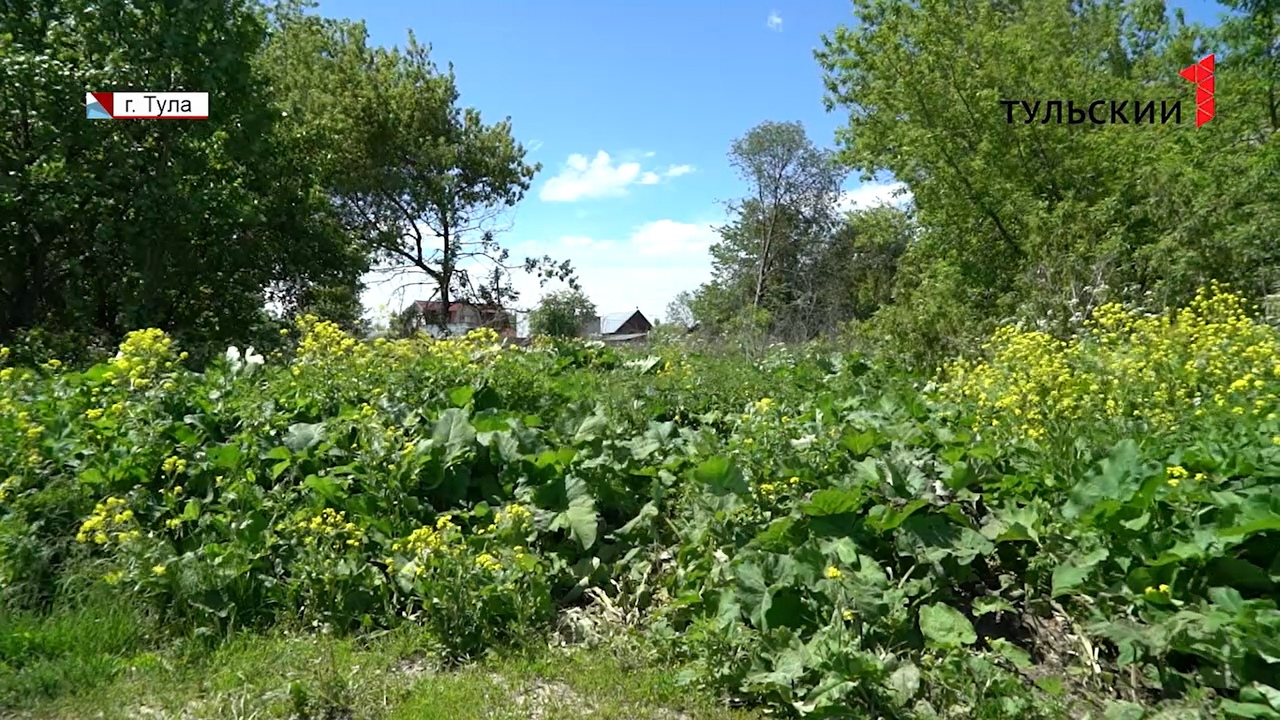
847	614
832	572
113	577
93	413
158	569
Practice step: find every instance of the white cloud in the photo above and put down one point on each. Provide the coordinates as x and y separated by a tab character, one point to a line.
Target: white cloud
535	146
582	179
774	22
873	194
671	238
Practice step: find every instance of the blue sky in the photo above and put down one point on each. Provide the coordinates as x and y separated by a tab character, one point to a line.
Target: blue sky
630	107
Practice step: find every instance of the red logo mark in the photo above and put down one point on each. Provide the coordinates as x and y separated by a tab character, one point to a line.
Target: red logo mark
1202	75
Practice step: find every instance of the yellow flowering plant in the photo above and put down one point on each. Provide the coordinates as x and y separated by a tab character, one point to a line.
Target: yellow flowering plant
473	588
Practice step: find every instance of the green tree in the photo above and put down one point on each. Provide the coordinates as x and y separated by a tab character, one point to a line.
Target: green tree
794	188
680	310
561	314
110	226
775	236
421	182
855	270
1040	222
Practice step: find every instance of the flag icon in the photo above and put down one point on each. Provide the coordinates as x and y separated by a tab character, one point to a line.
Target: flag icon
94	108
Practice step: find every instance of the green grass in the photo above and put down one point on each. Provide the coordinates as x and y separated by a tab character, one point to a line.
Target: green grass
98	662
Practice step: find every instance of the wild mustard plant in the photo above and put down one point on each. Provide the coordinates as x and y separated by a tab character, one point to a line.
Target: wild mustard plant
144	356
111	521
1129	367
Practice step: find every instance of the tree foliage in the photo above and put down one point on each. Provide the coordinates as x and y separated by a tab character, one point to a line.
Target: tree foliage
109	226
561	314
419	181
1010	219
792	263
1044	222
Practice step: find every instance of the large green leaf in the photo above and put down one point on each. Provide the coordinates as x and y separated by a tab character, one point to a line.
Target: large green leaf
454	431
934	537
580	518
591	428
1117	480
721	476
1069	575
945	627
833	501
904	683
859	443
460	396
303	436
752	591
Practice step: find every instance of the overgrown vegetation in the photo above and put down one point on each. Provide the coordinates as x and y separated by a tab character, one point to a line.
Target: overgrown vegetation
1018	458
1047	532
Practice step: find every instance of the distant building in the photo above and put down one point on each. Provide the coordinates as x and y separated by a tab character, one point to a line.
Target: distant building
464	317
623	327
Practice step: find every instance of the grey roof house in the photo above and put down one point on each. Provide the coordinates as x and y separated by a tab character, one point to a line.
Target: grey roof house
619	327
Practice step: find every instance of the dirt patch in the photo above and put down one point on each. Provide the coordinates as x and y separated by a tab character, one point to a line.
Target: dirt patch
415	666
543	699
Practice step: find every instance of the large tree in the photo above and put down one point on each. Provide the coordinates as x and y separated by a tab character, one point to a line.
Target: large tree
421	182
794	187
1043	221
561	314
775	234
110	226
